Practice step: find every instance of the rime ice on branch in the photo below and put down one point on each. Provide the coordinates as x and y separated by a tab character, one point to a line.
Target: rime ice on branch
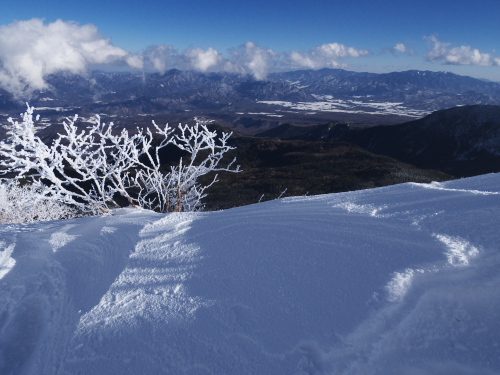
89	168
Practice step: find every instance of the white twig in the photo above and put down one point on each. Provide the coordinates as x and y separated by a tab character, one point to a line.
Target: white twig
90	168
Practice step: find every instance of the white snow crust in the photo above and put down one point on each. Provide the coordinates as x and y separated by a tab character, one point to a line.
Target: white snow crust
396	280
328	103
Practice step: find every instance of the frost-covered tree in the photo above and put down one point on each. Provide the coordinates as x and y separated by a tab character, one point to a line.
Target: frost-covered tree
88	168
179	189
26	204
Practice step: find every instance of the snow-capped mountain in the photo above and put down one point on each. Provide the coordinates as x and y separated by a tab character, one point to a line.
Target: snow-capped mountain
397	280
280	96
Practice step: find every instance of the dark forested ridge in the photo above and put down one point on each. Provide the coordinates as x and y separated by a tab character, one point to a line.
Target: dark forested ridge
462	141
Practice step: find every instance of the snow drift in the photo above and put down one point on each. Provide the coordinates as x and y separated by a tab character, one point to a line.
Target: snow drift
396	280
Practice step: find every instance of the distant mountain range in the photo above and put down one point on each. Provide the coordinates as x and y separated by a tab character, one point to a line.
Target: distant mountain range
312	126
300	97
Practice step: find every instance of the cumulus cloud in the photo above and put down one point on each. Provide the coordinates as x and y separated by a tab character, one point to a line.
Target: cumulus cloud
246	59
164	57
203	60
252	59
324	56
135	61
161	58
463	55
31	50
338	51
399	48
402	48
249	58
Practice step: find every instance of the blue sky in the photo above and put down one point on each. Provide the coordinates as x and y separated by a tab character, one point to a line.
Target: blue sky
361	35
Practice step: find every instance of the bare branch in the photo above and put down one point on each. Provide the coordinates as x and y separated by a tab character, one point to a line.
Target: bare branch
88	168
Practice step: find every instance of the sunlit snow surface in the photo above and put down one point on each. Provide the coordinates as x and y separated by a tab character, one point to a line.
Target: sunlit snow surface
327	103
396	280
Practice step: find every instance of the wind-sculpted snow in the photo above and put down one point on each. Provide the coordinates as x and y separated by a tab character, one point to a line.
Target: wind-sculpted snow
6	261
396	280
62	269
459	250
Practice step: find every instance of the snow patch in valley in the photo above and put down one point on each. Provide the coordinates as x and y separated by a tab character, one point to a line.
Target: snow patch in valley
327	103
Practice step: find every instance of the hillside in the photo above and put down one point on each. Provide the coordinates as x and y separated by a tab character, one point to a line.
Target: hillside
272	167
396	280
462	141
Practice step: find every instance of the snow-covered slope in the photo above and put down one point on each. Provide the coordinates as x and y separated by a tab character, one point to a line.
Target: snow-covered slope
396	280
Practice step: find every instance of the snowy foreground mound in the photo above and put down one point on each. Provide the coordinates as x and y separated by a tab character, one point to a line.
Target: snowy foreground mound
396	280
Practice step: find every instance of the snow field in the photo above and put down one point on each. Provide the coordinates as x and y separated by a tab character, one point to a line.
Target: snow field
327	103
396	280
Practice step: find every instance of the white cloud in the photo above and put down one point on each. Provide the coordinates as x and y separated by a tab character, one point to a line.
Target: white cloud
31	50
135	61
259	60
252	59
302	60
400	47
325	56
161	57
203	60
249	58
164	57
246	59
338	51
463	55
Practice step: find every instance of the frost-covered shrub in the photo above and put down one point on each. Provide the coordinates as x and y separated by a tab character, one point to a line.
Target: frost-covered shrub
88	168
24	204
